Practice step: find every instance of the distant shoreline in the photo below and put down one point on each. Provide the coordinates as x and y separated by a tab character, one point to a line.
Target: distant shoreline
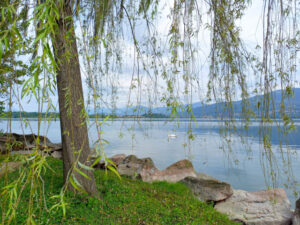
197	119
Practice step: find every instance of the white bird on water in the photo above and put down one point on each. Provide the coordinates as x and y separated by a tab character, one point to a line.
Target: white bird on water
172	135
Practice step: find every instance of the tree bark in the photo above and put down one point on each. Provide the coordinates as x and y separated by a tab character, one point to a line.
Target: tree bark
74	133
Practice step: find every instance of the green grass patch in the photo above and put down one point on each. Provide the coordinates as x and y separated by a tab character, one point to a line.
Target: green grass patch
124	201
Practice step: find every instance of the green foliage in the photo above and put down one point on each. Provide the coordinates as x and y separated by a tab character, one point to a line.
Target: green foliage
13	44
123	201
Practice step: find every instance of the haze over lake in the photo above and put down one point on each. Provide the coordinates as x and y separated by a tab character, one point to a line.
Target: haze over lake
241	165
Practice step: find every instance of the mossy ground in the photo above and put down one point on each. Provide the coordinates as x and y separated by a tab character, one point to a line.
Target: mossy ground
124	201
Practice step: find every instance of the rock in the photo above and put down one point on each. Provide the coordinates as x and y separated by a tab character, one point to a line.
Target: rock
118	158
207	188
296	218
174	173
26	142
146	170
298	205
205	176
94	154
2	149
56	154
269	207
2	145
137	168
12	140
55	147
9	167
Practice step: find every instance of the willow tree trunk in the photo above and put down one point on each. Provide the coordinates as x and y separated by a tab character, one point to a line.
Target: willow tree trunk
74	131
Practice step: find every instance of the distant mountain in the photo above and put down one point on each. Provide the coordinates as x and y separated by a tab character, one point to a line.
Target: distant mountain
255	104
217	109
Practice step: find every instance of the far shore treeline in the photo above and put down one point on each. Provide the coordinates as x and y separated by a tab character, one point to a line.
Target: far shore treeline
55	115
17	114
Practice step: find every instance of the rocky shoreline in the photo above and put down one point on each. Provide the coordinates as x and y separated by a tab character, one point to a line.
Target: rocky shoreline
270	207
266	207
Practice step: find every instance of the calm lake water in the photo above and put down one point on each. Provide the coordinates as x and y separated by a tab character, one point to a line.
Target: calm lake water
243	165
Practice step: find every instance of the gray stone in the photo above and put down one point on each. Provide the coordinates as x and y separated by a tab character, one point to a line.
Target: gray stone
269	207
117	159
137	168
2	149
2	145
174	173
57	154
207	189
296	218
205	176
298	204
26	142
145	169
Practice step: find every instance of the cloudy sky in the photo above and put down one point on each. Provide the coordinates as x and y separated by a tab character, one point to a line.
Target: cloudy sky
251	34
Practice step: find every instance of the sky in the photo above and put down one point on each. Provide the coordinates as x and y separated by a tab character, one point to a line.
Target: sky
251	34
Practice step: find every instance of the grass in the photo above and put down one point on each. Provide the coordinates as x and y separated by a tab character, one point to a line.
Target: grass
123	201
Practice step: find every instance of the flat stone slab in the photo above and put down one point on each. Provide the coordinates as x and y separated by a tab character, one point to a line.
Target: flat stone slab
207	188
174	173
268	207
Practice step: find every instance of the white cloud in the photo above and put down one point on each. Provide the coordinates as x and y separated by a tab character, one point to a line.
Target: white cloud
251	33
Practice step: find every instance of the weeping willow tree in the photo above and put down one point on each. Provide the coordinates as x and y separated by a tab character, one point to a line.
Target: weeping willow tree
101	38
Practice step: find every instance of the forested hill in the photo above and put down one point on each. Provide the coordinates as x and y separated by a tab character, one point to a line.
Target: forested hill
291	105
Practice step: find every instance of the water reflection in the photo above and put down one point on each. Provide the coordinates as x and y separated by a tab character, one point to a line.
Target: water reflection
241	162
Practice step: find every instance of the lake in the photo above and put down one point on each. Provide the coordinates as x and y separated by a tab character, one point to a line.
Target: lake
244	165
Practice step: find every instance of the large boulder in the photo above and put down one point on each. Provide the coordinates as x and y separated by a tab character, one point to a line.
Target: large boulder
117	159
296	219
269	207
11	141
207	188
134	167
145	169
56	154
8	167
174	173
26	142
